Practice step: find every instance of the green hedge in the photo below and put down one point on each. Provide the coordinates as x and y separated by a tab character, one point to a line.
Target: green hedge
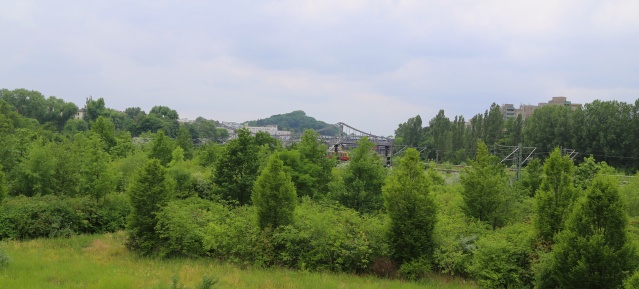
24	218
322	238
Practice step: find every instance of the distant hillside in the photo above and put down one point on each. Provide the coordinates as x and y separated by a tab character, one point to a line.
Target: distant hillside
296	121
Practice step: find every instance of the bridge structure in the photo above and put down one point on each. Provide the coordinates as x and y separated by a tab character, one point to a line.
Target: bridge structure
346	140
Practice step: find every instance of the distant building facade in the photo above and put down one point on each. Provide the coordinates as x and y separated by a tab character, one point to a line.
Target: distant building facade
81	113
526	110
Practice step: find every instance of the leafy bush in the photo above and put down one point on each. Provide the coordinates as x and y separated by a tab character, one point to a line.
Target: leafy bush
415	269
632	282
331	238
629	193
233	236
322	237
181	225
502	258
454	235
54	216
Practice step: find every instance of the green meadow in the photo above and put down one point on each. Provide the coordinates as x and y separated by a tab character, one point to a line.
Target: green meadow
103	261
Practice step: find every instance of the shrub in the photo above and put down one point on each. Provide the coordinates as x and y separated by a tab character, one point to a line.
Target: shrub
632	282
321	238
234	236
416	269
502	258
333	238
456	238
25	218
181	225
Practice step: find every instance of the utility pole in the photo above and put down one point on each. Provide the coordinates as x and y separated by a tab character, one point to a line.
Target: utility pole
520	162
517	156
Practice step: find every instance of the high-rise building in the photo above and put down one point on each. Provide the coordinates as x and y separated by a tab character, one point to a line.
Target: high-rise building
526	110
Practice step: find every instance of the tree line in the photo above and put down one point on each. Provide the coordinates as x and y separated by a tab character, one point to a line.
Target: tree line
251	201
608	130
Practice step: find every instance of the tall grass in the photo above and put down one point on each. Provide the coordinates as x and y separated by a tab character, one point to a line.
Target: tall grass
102	261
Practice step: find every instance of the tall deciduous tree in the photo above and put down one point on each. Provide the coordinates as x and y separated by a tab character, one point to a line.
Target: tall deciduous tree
363	179
94	109
95	179
484	188
532	176
410	133
236	168
594	250
150	190
274	195
493	124
185	141
35	174
162	148
411	209
440	128
105	129
548	127
555	196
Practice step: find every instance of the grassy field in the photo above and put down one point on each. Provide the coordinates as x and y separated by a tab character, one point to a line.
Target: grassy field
102	261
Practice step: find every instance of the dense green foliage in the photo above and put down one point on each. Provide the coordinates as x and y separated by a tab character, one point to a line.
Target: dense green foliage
181	226
411	210
236	168
24	218
320	238
484	188
308	165
180	192
3	186
150	191
363	178
274	195
502	259
555	196
607	130
594	250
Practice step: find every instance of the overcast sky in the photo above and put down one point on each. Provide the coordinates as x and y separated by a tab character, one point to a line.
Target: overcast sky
370	64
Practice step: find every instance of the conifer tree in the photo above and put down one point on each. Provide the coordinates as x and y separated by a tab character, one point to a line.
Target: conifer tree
274	195
594	250
236	168
555	196
484	188
150	190
411	209
363	178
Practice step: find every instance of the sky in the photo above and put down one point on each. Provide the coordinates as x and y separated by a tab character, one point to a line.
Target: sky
370	64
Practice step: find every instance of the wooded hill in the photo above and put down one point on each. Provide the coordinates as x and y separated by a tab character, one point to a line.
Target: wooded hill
296	121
